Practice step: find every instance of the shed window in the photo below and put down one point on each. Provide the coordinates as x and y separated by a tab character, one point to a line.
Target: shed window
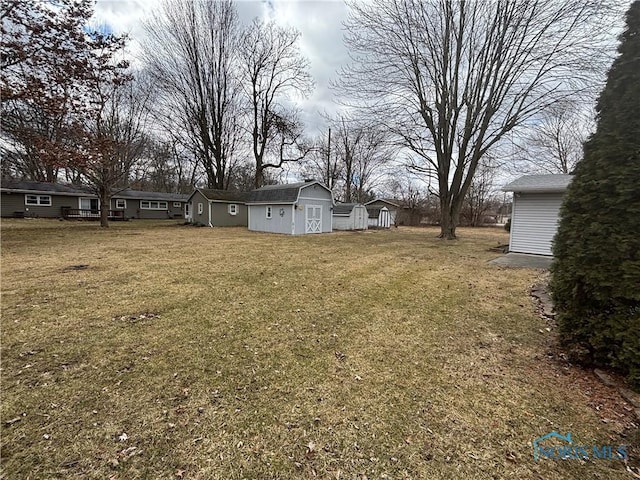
121	203
199	209
42	200
153	205
177	205
233	209
269	212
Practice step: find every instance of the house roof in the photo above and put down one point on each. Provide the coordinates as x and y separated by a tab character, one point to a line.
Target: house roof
344	208
140	195
222	195
374	212
27	186
287	193
539	183
389	201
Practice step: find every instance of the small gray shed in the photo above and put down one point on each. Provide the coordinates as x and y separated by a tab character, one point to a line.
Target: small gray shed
350	216
391	206
379	217
536	207
217	208
293	209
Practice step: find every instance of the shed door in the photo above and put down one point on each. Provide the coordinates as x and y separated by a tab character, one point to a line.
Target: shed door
313	217
360	218
384	220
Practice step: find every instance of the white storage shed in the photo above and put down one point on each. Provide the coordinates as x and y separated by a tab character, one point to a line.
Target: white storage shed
536	207
350	216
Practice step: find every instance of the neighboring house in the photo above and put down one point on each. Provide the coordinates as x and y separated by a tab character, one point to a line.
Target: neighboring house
58	200
379	217
350	216
217	208
535	213
46	200
293	209
374	207
149	205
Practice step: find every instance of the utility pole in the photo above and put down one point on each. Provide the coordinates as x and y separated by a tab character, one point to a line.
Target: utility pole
329	182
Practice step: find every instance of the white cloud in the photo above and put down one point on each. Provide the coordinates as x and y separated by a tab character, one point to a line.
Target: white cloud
320	23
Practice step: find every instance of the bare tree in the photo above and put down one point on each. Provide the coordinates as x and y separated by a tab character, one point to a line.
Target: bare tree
274	70
49	61
450	79
114	136
164	168
373	154
190	50
413	199
323	162
553	143
480	195
364	151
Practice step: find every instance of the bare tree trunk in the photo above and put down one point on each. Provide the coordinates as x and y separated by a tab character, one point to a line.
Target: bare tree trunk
104	207
348	174
259	180
450	215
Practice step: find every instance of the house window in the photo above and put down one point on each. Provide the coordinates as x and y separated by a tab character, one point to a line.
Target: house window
153	205
199	209
177	205
41	200
121	203
233	209
269	212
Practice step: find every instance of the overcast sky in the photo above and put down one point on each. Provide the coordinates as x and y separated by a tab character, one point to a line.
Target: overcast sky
320	23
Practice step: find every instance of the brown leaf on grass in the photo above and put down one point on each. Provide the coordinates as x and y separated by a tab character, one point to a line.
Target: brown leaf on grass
311	450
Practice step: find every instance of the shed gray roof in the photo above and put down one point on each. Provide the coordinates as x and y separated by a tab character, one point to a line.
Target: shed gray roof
224	195
287	193
140	195
539	183
374	212
27	186
344	208
389	201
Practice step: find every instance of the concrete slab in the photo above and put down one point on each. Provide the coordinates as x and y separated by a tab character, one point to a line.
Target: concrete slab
523	260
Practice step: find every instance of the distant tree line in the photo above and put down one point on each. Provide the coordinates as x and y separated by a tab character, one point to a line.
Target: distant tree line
434	92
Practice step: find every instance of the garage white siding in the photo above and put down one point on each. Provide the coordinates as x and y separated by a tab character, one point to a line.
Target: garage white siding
534	222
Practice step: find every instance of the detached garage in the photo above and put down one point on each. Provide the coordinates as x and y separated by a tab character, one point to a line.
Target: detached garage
535	214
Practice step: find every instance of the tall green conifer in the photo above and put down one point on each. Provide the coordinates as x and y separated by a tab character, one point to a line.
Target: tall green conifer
596	273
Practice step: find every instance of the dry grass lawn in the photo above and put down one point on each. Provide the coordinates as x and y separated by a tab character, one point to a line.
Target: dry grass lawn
199	353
